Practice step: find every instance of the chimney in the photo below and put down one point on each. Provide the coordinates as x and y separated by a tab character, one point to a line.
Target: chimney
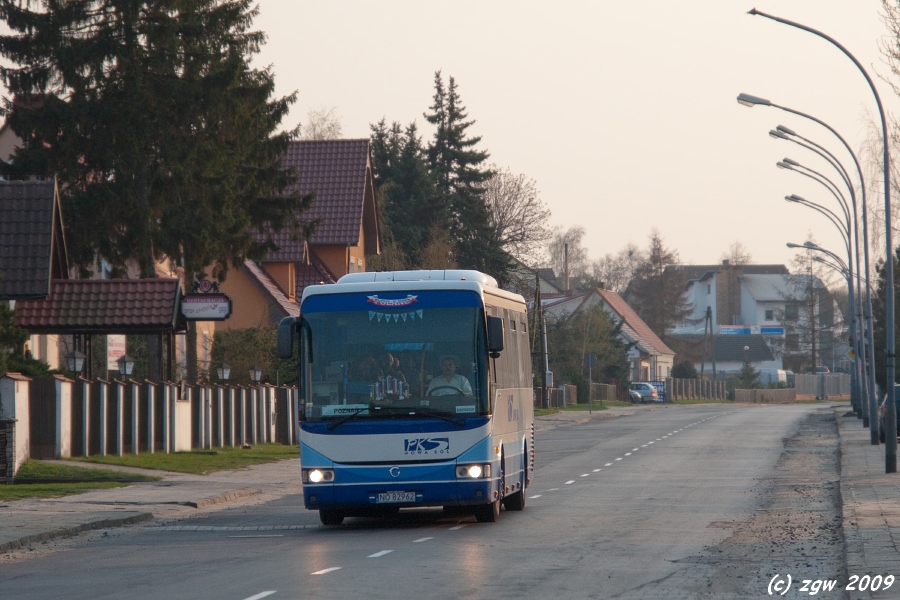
566	266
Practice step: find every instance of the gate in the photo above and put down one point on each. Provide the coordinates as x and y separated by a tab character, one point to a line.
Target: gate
42	414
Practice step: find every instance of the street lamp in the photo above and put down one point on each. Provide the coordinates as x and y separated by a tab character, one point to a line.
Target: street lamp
75	361
862	392
869	354
126	366
224	371
256	373
862	385
890	450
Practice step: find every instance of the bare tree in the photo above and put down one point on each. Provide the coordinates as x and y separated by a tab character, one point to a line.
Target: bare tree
737	254
571	238
322	123
517	213
439	251
615	271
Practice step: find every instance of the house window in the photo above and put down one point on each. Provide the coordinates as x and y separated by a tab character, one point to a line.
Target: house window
792	341
791	312
708	288
770	315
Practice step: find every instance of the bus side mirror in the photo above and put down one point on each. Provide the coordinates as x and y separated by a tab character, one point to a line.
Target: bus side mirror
494	336
285	347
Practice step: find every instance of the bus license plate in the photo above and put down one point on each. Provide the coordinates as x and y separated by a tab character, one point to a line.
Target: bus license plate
388	497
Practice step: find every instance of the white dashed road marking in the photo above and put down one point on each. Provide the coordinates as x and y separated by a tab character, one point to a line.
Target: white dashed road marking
585	474
380	554
597	470
570	482
260	596
457	527
608	465
422	540
533	497
628	454
620	458
323	571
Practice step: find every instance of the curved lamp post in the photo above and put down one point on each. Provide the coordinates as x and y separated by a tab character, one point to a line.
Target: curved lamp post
890	449
750	101
859	394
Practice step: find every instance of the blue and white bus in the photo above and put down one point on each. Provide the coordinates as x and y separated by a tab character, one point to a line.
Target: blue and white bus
415	390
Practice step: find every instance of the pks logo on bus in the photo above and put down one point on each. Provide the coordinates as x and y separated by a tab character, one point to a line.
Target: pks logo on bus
392	302
426	446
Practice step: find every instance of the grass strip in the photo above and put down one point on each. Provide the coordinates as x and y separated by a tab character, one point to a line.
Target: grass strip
38	479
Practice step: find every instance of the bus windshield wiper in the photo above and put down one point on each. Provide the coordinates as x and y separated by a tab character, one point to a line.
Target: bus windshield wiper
421	410
346	418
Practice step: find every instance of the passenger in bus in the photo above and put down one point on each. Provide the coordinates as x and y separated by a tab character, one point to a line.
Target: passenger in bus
411	366
449	382
365	372
390	365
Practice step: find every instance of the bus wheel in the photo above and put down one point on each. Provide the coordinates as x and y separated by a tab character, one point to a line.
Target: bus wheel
330	517
488	513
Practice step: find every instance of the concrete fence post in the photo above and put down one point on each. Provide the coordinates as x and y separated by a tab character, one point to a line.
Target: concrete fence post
151	417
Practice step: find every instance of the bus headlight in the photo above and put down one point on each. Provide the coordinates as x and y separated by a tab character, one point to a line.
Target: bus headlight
317	475
473	471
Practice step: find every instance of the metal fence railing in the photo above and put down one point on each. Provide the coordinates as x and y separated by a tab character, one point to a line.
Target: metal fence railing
822	385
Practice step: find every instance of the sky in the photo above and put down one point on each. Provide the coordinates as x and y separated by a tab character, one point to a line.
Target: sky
624	113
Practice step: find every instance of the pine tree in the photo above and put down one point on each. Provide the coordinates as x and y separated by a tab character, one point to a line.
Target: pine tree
409	200
748	377
456	166
657	294
163	138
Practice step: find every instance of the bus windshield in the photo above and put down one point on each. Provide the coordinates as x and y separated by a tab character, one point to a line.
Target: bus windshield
394	361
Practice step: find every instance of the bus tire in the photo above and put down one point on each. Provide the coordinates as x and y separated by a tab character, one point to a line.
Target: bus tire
488	513
330	517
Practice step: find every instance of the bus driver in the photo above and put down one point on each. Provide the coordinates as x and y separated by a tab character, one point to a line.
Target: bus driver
449	382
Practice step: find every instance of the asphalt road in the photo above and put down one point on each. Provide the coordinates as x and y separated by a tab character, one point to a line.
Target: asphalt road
617	506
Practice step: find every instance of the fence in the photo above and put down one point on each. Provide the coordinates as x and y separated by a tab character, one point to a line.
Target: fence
602	392
59	418
822	385
766	396
561	396
691	389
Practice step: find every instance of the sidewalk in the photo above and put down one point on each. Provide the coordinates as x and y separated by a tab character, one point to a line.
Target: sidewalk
871	505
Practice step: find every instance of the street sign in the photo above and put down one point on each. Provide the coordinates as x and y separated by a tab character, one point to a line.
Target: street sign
590	361
851	354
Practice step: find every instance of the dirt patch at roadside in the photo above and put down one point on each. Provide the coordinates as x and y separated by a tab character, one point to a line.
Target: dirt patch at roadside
796	530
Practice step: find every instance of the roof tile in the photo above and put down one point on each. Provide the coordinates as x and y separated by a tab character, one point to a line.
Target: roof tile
26	236
107	305
336	171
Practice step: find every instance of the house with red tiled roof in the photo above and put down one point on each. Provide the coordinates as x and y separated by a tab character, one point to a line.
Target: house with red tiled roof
650	357
339	173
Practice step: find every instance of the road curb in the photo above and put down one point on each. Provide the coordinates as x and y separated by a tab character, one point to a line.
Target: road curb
235	495
74	530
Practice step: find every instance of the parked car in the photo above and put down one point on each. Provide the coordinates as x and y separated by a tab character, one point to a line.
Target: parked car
647	391
635	397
